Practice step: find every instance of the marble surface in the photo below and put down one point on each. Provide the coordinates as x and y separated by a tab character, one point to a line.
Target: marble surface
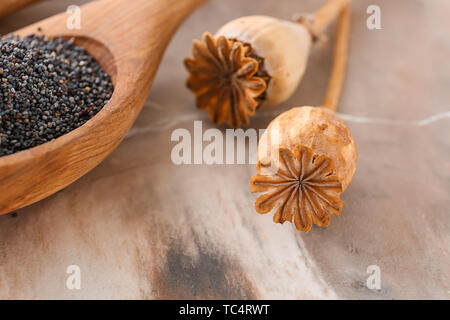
139	226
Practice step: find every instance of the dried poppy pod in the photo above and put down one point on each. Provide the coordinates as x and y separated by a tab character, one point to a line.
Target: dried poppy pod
306	158
252	62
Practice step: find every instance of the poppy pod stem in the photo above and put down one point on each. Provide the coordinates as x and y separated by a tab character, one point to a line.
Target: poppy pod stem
326	15
337	77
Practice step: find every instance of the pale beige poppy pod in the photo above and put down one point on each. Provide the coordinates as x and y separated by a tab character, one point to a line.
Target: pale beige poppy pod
317	128
283	45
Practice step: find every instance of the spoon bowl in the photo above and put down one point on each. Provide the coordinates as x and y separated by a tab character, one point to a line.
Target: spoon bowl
128	39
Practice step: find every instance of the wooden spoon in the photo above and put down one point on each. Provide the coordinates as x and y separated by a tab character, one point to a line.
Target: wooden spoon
128	39
9	6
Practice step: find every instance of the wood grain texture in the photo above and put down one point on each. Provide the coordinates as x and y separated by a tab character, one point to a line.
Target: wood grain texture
128	39
9	6
141	227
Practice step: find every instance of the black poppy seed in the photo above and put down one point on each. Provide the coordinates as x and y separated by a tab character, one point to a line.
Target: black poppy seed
47	89
13	214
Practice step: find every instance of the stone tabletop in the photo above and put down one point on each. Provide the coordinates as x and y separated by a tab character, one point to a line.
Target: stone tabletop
139	226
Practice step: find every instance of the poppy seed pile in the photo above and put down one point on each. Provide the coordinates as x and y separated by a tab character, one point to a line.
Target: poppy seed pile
47	89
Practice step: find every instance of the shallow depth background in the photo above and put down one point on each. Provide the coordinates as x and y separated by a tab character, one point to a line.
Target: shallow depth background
140	227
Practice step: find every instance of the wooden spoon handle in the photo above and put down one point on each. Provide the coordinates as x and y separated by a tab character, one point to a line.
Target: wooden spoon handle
9	6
